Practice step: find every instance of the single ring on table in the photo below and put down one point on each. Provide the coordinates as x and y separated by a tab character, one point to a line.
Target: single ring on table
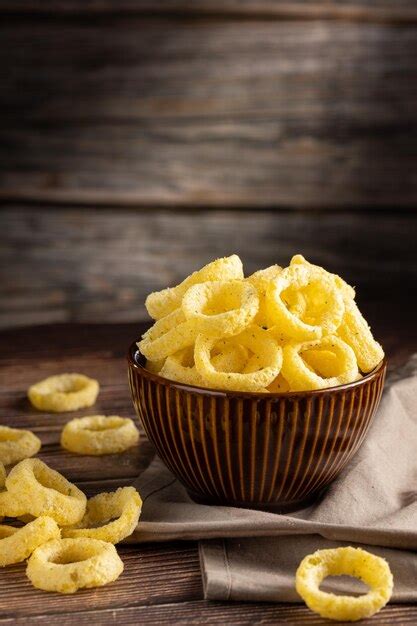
17	444
109	516
369	568
16	544
99	434
66	565
64	392
40	490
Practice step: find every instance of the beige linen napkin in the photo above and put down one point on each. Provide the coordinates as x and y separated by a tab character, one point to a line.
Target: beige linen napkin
253	555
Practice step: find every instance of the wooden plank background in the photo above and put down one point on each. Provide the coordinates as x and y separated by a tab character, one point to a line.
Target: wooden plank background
185	110
261	127
386	10
62	264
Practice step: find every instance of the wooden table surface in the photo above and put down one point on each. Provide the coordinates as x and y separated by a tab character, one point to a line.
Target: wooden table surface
161	583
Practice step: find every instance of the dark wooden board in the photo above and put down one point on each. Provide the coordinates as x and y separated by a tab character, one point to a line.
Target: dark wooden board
76	264
208	112
161	583
384	10
201	612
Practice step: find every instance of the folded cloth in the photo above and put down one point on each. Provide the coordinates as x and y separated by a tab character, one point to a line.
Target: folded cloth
253	555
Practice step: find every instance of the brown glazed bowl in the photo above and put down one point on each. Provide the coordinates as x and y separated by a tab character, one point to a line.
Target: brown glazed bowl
267	451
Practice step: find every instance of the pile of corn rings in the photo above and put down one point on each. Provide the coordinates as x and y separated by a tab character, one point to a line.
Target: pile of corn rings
281	329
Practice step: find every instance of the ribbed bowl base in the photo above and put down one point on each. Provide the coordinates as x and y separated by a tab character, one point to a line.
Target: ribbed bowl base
273	507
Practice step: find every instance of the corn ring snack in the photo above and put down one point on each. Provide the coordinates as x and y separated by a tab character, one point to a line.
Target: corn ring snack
301	376
175	339
16	544
17	444
369	568
64	392
324	315
161	303
260	342
8	505
171	334
109	516
66	565
40	490
181	368
221	309
163	338
165	324
99	434
355	331
228	357
341	284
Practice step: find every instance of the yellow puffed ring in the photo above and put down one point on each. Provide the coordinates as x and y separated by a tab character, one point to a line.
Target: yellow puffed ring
355	331
341	284
369	568
260	342
40	490
17	444
16	544
64	392
158	344
213	308
65	565
162	303
109	516
301	377
99	434
181	368
221	308
304	303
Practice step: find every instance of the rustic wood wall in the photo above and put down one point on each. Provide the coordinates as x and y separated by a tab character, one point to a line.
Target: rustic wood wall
140	139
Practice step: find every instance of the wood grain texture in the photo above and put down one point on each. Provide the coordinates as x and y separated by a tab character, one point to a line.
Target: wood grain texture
201	612
208	112
161	583
99	265
152	575
383	10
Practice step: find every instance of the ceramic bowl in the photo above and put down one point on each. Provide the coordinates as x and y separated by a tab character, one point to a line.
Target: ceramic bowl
256	450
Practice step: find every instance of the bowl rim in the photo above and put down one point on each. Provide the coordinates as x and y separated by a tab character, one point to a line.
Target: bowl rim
224	393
